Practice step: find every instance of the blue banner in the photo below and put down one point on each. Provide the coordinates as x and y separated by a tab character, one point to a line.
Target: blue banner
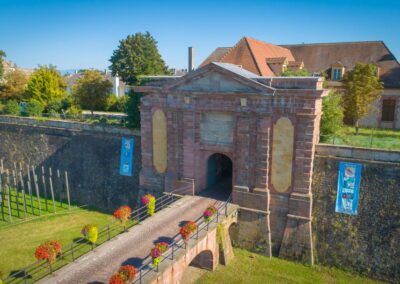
127	148
348	188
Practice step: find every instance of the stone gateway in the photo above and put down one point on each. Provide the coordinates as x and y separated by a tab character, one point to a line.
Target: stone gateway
233	132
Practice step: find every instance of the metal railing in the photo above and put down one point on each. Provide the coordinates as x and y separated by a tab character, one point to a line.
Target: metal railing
79	247
178	242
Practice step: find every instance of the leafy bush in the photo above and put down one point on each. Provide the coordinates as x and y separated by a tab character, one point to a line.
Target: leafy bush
332	114
2	106
111	103
33	108
54	106
48	251
122	103
12	108
132	109
74	111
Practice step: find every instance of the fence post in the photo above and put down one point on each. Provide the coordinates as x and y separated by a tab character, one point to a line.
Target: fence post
25	276
72	251
108	232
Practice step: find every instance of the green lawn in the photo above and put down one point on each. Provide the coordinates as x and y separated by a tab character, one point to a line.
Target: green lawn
367	137
248	267
18	241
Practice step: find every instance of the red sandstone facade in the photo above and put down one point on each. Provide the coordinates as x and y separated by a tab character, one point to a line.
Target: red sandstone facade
267	127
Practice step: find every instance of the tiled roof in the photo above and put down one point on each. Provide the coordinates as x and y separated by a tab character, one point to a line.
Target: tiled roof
251	54
320	56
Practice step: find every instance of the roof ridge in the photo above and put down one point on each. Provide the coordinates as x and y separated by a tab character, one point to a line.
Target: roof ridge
230	49
337	42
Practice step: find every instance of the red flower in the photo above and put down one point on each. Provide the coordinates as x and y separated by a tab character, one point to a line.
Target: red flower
123	213
116	279
128	273
48	251
155	252
187	229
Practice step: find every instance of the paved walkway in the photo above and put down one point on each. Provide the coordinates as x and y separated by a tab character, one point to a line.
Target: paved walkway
131	247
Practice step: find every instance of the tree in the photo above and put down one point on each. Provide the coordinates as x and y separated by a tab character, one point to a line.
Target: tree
46	85
332	114
91	90
132	109
295	73
137	55
2	55
14	86
362	88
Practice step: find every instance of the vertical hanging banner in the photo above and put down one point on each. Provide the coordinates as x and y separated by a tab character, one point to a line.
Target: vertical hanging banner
127	147
348	188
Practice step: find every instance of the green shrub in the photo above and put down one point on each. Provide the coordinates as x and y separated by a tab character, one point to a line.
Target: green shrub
54	106
12	108
74	111
133	119
112	103
34	108
332	115
2	106
122	103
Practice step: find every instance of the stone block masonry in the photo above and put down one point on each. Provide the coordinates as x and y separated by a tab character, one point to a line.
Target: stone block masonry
90	155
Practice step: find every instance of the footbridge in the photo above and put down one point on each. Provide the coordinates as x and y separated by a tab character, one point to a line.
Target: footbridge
208	246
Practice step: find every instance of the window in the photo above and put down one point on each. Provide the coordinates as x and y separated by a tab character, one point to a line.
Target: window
337	74
388	110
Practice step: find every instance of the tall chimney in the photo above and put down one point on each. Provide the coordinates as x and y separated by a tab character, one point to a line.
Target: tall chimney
191	59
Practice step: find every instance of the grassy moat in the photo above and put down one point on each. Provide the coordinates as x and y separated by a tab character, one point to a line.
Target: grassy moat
247	267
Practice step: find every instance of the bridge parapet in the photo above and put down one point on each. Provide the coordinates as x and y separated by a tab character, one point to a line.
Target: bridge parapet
201	250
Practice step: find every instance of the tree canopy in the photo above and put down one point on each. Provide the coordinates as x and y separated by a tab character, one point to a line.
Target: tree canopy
91	90
362	87
137	55
295	73
46	85
14	85
2	55
332	114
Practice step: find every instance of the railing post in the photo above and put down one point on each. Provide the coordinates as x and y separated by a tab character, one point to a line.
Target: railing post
217	215
197	233
108	232
140	276
72	252
25	276
173	246
226	210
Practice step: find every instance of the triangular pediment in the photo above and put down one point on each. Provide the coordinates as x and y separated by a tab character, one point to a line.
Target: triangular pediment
215	78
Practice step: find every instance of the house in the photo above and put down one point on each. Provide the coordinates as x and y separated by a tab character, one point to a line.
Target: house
330	60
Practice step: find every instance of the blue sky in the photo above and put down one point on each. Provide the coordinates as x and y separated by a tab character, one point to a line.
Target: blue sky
83	34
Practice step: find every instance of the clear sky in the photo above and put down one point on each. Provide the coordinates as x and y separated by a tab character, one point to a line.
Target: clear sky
83	34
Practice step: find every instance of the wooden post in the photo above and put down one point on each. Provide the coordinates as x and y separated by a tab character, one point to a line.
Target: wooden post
51	190
67	189
44	188
1	166
2	198
35	181
29	185
21	182
9	196
16	190
59	187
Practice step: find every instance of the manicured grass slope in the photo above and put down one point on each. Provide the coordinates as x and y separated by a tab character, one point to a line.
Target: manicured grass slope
18	242
248	267
367	137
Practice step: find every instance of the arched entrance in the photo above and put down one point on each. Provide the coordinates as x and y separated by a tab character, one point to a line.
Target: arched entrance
219	176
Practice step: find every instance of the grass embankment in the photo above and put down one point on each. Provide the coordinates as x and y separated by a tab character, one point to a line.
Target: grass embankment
247	267
18	241
367	137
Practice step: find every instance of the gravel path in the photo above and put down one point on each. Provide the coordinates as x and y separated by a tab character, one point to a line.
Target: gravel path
131	247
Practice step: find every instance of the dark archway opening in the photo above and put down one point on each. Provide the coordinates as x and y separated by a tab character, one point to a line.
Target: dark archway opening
202	263
219	177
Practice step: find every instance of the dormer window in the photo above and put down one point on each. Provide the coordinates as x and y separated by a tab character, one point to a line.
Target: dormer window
337	74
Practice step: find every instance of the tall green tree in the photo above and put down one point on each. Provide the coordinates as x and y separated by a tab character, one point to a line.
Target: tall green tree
137	55
91	90
332	114
46	85
2	56
14	85
362	87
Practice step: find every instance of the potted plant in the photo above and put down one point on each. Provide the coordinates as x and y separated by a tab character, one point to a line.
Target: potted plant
150	202
187	229
122	214
157	251
209	213
90	232
48	251
126	274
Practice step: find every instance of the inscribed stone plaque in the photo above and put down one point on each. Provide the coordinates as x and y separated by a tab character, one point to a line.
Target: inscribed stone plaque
216	128
159	141
282	154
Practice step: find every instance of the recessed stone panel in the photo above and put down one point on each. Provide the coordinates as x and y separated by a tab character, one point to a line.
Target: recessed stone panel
216	128
159	141
282	154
